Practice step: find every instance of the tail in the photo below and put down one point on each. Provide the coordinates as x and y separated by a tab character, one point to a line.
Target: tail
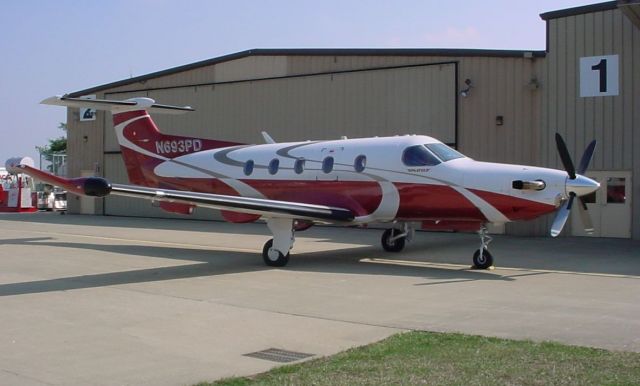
143	145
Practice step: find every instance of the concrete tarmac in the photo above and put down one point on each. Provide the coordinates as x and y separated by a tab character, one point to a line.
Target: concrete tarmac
129	301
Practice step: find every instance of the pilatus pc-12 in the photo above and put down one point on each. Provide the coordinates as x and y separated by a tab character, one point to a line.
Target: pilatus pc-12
399	180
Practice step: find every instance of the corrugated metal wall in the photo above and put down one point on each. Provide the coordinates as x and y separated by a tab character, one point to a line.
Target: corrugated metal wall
85	148
365	103
502	86
611	120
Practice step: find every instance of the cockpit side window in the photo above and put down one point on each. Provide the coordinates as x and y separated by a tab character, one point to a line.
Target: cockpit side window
418	156
444	152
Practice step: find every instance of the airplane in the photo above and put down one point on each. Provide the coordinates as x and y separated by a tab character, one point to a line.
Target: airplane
399	180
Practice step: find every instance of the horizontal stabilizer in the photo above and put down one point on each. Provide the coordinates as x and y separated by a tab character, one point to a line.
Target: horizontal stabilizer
117	106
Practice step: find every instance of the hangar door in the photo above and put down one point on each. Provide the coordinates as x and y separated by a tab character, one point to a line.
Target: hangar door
415	99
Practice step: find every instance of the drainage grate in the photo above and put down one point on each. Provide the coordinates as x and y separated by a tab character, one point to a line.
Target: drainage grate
278	355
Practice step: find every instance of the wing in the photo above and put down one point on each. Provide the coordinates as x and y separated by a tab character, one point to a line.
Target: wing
99	187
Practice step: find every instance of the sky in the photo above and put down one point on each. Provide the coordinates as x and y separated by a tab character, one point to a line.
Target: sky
56	47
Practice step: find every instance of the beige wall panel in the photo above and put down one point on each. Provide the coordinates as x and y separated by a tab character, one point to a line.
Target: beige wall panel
416	100
251	67
501	87
195	76
84	150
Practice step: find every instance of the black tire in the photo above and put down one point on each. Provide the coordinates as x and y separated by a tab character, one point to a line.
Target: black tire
392	246
281	261
482	262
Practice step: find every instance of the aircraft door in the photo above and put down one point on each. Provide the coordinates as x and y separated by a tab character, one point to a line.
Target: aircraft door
609	206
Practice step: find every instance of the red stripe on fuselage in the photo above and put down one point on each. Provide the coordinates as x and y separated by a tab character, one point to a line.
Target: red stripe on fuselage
514	208
419	202
359	197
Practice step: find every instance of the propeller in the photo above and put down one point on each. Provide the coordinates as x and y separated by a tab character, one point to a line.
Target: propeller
576	185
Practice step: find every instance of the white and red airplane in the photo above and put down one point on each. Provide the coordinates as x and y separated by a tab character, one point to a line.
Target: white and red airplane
399	180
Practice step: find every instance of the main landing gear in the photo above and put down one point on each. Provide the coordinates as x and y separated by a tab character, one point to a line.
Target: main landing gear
275	252
394	240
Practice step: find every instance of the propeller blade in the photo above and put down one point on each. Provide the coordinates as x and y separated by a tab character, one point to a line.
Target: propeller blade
586	157
565	157
584	216
562	216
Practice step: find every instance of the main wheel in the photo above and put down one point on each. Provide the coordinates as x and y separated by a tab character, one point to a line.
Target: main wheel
272	257
482	260
390	245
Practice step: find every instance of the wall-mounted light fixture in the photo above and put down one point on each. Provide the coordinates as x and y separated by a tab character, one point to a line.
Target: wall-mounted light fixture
85	139
499	120
533	84
466	91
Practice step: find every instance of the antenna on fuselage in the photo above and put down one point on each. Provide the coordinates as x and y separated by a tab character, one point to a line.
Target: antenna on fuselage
267	137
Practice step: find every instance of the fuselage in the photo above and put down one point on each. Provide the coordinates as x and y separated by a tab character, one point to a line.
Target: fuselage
405	178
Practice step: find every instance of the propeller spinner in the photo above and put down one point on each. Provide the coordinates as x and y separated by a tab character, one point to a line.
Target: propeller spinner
576	185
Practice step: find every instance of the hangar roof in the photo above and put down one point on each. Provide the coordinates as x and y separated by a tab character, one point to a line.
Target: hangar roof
320	52
609	5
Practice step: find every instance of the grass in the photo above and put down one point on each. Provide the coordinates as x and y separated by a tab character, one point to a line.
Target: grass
417	358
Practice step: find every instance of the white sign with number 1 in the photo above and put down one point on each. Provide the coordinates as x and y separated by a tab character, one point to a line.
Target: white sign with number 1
599	76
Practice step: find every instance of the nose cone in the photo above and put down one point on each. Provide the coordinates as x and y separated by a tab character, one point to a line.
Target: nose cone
581	185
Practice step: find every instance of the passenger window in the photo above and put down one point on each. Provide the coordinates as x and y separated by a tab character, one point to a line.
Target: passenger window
360	163
418	156
298	166
273	166
248	167
327	165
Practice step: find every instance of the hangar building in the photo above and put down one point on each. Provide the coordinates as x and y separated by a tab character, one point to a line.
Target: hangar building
492	105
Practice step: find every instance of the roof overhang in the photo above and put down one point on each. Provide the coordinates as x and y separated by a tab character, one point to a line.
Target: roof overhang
631	9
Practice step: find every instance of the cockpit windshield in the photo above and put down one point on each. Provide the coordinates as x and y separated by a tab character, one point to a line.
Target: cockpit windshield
418	155
430	154
444	152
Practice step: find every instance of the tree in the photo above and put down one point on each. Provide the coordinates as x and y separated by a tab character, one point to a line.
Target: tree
52	153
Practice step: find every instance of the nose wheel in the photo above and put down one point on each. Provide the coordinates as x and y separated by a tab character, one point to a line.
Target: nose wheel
482	259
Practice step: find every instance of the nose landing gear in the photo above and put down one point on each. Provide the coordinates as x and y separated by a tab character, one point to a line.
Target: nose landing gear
482	259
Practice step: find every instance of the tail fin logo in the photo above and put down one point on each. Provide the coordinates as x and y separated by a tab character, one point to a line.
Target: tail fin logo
170	147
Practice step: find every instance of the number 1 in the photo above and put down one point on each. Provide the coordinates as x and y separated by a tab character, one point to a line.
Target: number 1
602	70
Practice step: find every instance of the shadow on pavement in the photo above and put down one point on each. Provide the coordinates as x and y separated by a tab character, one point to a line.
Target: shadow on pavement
444	257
